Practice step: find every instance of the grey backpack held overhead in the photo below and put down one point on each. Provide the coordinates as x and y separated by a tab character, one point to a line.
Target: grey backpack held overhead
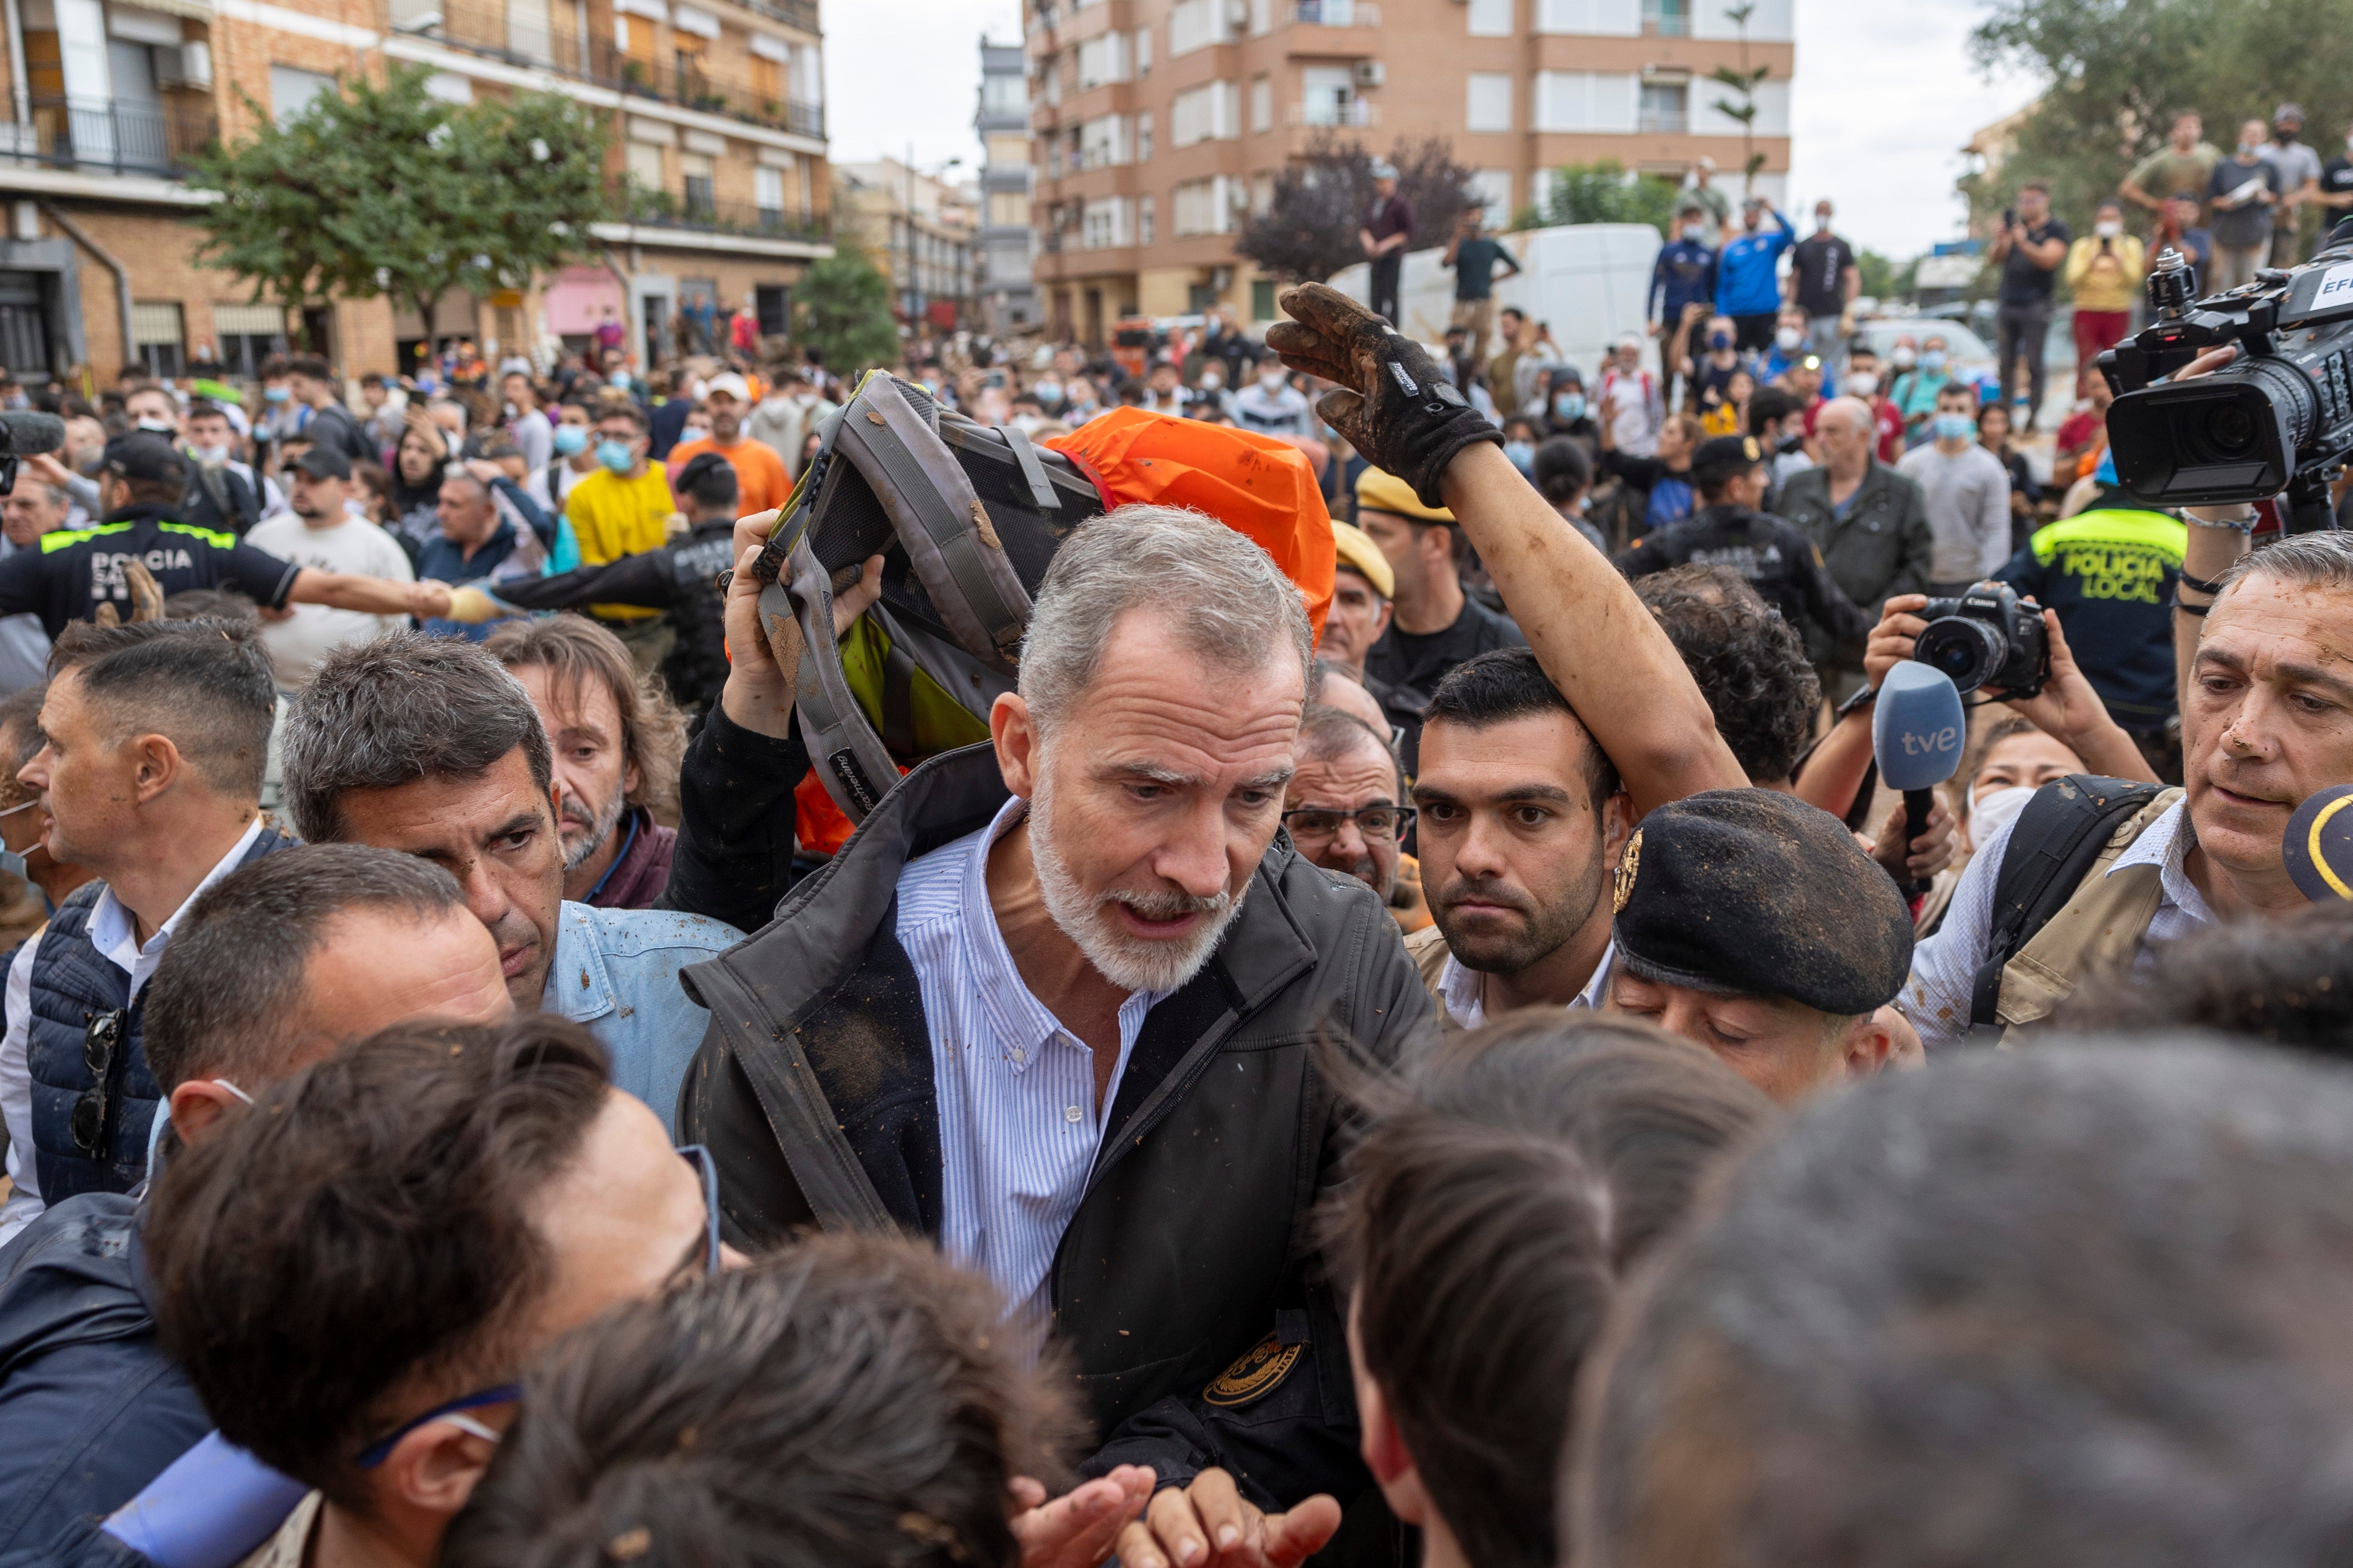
966	518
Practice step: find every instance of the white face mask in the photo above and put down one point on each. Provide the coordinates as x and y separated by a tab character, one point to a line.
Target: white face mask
1862	383
1273	379
2107	228
211	454
1992	812
1789	338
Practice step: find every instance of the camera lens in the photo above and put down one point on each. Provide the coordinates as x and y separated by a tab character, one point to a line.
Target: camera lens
2227	431
1967	650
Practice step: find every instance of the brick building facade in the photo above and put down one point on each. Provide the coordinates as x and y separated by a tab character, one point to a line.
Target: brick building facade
1157	125
718	161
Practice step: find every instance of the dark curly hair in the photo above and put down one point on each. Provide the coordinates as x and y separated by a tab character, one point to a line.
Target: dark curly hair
1750	663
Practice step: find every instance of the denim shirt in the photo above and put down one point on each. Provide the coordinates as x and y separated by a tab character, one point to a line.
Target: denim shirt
616	971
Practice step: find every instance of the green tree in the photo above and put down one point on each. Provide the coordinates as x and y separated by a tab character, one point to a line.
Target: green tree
388	190
1741	81
1606	192
843	312
2115	73
1878	273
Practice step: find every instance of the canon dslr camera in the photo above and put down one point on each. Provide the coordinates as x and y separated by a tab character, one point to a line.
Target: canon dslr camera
2278	418
1987	637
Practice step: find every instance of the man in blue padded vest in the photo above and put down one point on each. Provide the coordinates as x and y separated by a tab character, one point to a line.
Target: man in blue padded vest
157	734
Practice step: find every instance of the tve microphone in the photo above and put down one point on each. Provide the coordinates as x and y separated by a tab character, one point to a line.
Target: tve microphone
1917	733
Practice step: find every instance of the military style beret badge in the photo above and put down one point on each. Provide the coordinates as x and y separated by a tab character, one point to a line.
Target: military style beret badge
1629	863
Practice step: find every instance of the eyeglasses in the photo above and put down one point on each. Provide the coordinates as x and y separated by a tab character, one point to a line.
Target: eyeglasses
99	1041
454	1410
696	1156
1315	823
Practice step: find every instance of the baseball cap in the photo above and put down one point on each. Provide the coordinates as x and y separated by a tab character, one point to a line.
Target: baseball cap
733	384
1383	170
324	463
139	456
1357	552
1727	452
1384	491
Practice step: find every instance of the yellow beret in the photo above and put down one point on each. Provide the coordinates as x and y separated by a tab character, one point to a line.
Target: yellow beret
1384	491
1357	552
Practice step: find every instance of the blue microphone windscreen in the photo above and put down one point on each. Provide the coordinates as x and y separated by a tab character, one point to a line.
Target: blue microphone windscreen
1918	729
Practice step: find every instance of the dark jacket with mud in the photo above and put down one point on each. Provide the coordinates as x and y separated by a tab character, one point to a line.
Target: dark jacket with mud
1184	1289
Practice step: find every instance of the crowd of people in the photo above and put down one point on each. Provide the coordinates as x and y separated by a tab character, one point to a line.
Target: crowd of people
1411	1028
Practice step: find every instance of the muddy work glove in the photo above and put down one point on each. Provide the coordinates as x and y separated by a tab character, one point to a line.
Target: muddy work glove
1394	404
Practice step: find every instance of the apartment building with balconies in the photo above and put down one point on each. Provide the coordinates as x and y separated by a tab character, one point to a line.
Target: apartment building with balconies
928	231
718	165
1008	291
1159	125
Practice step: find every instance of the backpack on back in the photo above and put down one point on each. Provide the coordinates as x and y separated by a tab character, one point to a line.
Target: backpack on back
2059	836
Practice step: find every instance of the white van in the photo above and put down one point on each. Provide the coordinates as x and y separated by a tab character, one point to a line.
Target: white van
1587	279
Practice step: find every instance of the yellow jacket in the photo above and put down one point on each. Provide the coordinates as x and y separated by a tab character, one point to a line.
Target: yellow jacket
2106	290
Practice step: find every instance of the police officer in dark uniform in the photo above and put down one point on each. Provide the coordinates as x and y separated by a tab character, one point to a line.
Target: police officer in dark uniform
1752	923
141	485
1772	552
682	577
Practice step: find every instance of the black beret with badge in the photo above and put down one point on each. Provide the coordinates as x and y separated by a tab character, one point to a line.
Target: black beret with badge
1753	891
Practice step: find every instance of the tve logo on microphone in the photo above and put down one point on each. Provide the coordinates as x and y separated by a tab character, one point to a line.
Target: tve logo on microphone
1917	727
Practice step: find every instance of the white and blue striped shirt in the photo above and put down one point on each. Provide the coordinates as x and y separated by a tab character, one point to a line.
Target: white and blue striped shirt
1018	1120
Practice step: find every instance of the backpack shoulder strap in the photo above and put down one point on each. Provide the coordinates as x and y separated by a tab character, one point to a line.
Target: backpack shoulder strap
2063	829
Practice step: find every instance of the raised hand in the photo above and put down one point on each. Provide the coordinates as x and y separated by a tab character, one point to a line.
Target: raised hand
1393	402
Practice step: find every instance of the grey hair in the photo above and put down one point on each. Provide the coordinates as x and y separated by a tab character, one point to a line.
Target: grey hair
2306	560
1224	596
407	706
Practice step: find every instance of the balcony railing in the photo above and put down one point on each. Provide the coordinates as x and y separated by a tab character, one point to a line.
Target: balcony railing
1332	13
486	30
801	14
116	138
1355	112
1662	121
1666	19
699	210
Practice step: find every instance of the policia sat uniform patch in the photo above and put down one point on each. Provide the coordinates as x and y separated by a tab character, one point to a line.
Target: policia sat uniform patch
1258	1374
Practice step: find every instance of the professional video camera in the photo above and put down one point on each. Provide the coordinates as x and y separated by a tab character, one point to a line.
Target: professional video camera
24	435
1986	637
2278	418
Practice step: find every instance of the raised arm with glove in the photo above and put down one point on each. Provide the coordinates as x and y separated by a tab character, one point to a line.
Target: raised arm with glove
1595	640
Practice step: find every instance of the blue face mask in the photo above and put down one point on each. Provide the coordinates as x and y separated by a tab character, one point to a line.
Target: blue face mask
1569	405
1719	340
619	378
1932	361
276	394
1955	427
615	456
570	439
1522	453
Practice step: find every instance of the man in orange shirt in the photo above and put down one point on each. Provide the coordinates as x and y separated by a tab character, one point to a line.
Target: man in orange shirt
760	476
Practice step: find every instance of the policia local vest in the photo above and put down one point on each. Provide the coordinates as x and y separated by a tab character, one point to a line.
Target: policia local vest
74	986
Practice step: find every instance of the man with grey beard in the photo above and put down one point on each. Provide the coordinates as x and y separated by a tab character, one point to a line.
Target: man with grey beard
1057	1005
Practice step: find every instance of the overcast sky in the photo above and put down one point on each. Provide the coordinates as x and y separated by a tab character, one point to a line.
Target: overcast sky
1885	98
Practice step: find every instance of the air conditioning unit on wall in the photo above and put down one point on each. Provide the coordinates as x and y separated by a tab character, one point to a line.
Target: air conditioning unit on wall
1371	73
